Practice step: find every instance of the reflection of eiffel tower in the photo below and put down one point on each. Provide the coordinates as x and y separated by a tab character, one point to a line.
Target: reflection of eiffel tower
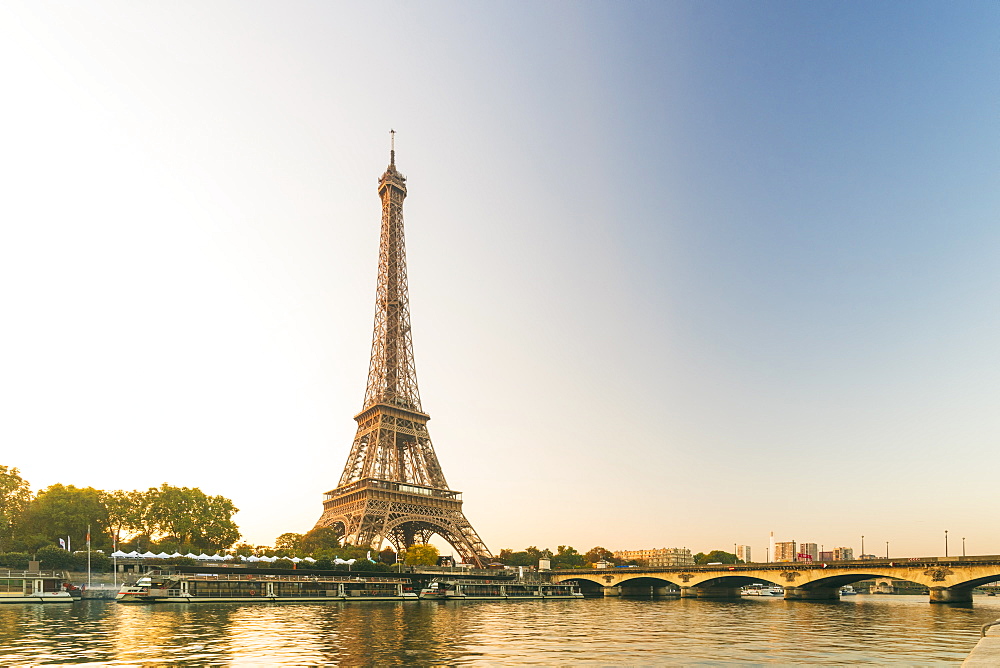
392	488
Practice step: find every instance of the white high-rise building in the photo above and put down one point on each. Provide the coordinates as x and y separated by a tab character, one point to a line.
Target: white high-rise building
808	552
743	553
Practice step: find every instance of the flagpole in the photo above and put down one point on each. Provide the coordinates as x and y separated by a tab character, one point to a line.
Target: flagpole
88	556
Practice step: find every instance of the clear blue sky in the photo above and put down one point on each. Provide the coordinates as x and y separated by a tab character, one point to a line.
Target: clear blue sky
682	273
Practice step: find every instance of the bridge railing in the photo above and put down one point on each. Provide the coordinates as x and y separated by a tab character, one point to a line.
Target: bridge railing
856	564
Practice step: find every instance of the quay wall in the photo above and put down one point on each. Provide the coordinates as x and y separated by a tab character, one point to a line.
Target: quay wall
987	650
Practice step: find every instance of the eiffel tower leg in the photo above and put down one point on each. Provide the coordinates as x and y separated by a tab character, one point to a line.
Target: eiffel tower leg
374	524
409	522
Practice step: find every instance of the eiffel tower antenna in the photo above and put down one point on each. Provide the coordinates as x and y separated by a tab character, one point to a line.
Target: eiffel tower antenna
392	488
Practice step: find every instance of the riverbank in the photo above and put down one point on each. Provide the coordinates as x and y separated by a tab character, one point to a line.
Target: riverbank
987	650
102	585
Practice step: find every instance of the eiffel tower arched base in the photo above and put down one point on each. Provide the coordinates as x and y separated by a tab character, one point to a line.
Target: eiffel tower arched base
380	512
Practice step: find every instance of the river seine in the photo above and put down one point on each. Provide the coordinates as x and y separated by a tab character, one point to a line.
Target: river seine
870	629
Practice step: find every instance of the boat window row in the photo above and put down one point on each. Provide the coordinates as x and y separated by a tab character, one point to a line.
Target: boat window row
17	585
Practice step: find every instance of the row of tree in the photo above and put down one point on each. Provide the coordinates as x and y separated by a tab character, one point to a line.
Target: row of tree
564	557
166	517
568	557
325	541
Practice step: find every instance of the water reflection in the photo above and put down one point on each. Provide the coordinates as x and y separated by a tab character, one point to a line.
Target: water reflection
863	629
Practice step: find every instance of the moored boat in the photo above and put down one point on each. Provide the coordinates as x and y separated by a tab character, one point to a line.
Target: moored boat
177	586
510	590
28	587
759	589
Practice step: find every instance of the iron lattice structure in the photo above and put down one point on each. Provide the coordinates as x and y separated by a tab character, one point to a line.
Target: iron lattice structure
392	488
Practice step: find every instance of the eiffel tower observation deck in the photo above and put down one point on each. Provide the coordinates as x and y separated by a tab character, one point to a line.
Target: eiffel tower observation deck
392	488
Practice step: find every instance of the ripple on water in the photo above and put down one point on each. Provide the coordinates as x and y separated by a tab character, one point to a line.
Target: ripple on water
904	630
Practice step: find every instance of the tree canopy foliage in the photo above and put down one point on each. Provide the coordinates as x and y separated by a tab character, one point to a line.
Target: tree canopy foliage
421	554
565	556
181	517
715	557
288	541
191	517
15	495
319	539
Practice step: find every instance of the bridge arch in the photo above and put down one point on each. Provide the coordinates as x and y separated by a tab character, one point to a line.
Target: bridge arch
947	580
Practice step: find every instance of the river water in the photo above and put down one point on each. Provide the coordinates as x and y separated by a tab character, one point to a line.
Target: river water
872	629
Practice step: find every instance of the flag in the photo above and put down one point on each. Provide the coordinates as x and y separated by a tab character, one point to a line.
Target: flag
88	537
62	543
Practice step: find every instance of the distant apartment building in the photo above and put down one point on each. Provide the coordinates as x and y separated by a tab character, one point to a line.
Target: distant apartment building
843	554
785	551
808	552
826	556
662	557
743	553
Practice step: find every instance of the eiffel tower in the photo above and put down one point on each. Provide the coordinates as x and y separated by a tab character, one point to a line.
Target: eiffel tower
392	488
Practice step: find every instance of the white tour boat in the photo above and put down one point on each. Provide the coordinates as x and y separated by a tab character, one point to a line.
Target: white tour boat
244	585
28	587
510	590
759	589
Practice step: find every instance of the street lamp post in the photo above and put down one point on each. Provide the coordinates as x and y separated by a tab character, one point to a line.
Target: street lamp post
946	542
886	549
862	546
963	546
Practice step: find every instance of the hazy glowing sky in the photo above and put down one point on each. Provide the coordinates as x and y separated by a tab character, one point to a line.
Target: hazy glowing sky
681	273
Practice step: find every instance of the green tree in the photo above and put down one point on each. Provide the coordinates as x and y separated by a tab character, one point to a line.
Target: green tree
288	541
715	556
127	513
55	557
14	560
596	554
387	556
244	549
99	562
421	554
65	510
192	517
319	539
15	495
526	557
567	557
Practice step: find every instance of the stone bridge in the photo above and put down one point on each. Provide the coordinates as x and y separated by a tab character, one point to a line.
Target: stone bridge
949	580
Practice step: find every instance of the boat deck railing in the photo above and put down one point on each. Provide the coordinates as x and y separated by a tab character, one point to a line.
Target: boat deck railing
31	574
495	583
233	577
